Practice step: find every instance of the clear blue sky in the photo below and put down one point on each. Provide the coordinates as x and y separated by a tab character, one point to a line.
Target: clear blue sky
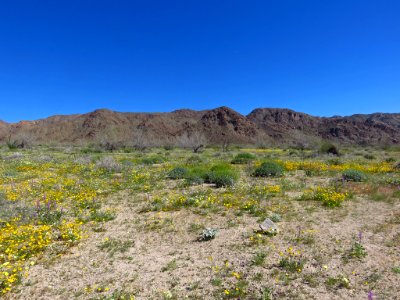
319	57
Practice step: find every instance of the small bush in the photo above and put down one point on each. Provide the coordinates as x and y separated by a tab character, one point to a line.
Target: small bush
208	234
108	164
243	158
354	175
269	169
329	148
153	160
194	160
193	179
196	176
222	176
369	156
178	173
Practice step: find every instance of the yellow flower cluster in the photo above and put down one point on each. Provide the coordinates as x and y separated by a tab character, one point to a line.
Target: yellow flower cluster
327	195
319	166
58	196
241	199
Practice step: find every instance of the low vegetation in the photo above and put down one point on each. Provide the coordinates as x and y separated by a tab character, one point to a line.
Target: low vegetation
167	223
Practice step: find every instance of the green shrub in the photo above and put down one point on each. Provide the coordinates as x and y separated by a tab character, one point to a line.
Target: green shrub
222	176
153	160
194	160
354	175
178	173
196	176
243	158
269	169
329	148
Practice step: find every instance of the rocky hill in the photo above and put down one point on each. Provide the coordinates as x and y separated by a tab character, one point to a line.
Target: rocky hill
262	125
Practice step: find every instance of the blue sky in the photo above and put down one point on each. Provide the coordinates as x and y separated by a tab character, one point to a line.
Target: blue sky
319	57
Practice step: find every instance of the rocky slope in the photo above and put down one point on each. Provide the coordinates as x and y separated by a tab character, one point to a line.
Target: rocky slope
262	125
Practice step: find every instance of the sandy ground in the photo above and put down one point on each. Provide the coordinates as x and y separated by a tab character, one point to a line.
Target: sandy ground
164	260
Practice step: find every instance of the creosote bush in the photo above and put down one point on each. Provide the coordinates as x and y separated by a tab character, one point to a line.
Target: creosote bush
269	169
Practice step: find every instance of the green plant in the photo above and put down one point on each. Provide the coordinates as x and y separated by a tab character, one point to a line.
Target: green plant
172	265
258	259
267	294
101	216
222	176
243	158
208	234
153	160
357	251
354	175
329	148
291	264
47	215
339	281
369	156
113	246
269	169
194	160
396	270
275	217
178	173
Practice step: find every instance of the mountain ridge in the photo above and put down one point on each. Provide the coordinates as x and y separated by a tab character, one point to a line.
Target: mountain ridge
218	125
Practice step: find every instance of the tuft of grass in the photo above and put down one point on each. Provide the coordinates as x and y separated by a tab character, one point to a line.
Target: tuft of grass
291	264
337	282
113	246
172	265
258	259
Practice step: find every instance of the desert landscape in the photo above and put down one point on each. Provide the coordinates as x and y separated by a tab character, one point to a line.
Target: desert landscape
204	150
316	218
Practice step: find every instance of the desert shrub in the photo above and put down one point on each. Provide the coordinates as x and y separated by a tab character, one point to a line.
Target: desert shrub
178	173
369	156
329	148
153	160
354	175
83	160
88	150
196	176
334	162
14	156
243	158
108	164
194	160
390	160
222	175
269	169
